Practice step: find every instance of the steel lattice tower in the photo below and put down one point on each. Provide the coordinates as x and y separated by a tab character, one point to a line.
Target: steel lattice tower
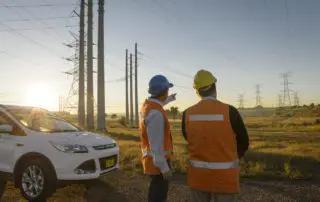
241	101
258	95
286	98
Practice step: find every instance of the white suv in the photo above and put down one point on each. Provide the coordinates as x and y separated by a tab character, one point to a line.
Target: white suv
41	150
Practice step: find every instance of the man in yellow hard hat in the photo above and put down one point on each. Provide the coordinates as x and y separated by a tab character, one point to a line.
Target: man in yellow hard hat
217	139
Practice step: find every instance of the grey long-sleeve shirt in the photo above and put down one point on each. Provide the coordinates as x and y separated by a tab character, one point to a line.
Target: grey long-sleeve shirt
155	124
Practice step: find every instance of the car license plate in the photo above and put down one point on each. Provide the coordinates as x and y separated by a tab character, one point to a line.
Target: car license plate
110	163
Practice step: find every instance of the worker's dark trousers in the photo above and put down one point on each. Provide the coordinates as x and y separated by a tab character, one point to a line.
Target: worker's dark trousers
158	188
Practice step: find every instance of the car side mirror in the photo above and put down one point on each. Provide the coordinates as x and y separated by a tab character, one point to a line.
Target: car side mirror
6	128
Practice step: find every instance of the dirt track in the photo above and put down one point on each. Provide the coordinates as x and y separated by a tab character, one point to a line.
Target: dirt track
135	188
129	187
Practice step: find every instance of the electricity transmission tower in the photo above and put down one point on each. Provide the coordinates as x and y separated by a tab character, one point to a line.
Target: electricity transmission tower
61	104
258	96
280	100
71	102
241	101
296	98
286	98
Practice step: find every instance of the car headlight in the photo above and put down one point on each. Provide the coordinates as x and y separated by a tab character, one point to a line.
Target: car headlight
111	145
70	148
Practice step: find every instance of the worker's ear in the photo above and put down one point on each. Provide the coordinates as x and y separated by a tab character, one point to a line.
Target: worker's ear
164	96
198	94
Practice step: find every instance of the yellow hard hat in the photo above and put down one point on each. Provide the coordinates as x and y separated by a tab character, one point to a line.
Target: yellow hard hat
203	78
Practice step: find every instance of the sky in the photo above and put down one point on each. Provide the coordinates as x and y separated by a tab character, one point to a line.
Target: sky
242	42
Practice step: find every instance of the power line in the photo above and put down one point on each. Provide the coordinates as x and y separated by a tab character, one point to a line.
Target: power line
39	19
34	17
29	39
19	57
121	79
33	29
221	51
36	5
164	67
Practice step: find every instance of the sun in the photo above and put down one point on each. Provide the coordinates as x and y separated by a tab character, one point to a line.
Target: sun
39	94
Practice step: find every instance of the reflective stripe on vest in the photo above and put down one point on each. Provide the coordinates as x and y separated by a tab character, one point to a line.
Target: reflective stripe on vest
206	117
214	166
151	153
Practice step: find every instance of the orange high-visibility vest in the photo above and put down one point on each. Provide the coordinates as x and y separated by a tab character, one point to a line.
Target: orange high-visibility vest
212	148
147	160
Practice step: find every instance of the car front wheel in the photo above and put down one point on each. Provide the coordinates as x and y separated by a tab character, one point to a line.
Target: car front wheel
36	181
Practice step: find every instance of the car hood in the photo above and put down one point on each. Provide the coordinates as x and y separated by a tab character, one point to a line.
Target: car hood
81	138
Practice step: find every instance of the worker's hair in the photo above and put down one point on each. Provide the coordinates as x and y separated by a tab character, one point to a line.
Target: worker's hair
207	91
159	95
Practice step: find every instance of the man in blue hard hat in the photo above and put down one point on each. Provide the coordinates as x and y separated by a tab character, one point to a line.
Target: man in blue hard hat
156	140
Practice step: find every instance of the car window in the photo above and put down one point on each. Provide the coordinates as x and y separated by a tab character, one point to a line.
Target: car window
41	120
4	119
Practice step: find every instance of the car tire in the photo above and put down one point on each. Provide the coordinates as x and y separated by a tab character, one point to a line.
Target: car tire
37	180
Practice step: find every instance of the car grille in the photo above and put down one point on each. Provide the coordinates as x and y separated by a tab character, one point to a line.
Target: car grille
105	146
88	166
104	165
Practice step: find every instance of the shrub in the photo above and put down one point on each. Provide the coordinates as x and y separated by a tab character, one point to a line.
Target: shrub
122	121
114	116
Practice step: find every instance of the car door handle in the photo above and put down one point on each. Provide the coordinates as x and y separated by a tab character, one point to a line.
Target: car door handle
19	145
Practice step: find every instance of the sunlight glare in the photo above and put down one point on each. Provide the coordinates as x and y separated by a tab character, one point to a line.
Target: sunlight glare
39	95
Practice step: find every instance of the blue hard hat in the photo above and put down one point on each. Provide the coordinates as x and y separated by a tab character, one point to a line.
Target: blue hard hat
158	84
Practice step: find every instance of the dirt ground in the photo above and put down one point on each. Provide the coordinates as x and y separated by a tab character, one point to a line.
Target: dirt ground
132	187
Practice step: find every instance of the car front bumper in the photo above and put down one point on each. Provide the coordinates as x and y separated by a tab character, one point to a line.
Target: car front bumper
88	166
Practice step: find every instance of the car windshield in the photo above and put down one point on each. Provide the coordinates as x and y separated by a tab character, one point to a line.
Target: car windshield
41	120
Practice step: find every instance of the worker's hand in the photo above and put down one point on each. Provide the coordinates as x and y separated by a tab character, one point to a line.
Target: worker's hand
172	97
167	175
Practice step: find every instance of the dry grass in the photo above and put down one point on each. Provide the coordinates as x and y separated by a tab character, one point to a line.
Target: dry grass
278	154
272	155
282	124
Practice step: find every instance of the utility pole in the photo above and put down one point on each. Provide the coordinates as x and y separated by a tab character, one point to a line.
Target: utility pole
101	97
81	105
258	96
136	84
127	96
90	98
286	90
131	93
